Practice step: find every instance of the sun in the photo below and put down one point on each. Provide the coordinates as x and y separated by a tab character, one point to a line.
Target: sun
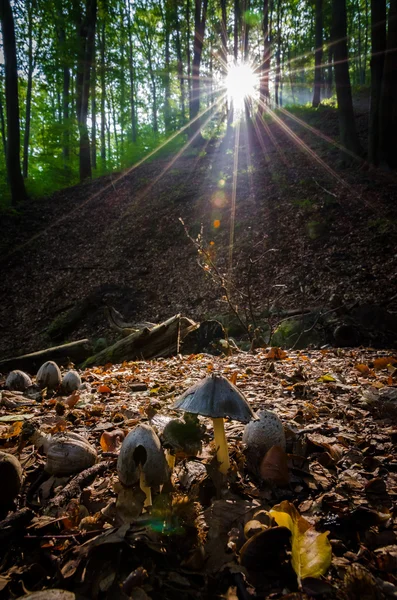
241	82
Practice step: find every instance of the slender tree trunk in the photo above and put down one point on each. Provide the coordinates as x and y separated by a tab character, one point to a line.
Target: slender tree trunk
15	178
318	54
85	38
122	82
330	70
366	42
236	28
178	48
103	98
388	109
189	64
278	55
131	73
378	42
65	91
93	117
200	15
264	94
167	80
223	37
3	127
347	125
114	119
26	137
247	7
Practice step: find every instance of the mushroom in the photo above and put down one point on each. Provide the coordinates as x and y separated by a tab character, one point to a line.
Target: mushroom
11	479
217	398
48	376
18	381
261	435
142	459
71	381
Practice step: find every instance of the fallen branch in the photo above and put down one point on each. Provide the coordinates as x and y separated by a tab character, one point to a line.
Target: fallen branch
15	523
78	483
75	352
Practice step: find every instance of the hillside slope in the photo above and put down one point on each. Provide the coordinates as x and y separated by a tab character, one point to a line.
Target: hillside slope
313	229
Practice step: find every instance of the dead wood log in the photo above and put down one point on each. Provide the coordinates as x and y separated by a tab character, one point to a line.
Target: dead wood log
161	340
75	352
115	320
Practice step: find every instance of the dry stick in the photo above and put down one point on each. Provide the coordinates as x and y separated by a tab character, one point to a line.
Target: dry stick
78	483
15	523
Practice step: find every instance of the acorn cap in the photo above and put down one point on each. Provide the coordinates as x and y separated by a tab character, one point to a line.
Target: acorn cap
141	451
215	397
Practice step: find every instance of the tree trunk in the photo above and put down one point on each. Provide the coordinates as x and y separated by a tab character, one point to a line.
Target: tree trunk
247	6
3	127
347	125
131	73
278	54
26	137
318	54
200	15
103	98
378	42
329	70
178	48
167	80
236	28
93	117
85	40
74	351
388	108
15	178
223	37
65	91
264	86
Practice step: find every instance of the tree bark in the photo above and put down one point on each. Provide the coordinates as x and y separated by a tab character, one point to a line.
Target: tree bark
200	15
93	116
278	55
388	109
15	178
62	355
103	98
167	79
85	40
347	125
131	74
329	70
178	48
3	127
264	85
223	37
318	54
236	28
378	41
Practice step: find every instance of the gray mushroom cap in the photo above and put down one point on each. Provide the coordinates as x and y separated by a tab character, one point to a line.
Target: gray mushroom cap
141	451
264	433
215	397
18	381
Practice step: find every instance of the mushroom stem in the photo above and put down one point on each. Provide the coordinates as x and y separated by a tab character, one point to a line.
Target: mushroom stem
146	489
170	459
222	452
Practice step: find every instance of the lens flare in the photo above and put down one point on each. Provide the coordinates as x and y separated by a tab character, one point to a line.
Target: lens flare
241	82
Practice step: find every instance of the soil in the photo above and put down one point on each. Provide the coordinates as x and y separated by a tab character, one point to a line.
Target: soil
313	227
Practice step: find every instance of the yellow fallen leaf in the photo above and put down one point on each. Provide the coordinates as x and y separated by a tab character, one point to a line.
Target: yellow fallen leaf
311	550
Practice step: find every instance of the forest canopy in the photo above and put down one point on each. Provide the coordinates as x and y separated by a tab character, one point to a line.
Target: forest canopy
90	87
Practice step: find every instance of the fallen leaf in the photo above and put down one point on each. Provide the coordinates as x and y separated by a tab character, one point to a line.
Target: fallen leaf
111	440
276	353
104	389
274	466
72	400
363	369
383	362
311	550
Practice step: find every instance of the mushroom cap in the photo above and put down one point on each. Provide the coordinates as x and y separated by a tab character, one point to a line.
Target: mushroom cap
49	375
215	397
18	381
71	381
261	435
141	451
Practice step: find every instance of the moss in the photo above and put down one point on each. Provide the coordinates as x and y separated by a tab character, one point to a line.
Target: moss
296	331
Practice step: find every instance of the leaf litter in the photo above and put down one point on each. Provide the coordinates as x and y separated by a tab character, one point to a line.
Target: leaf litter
314	521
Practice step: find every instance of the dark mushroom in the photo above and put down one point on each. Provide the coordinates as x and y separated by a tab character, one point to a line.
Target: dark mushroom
217	398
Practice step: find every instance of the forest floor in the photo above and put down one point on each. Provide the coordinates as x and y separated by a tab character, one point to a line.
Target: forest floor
330	229
313	228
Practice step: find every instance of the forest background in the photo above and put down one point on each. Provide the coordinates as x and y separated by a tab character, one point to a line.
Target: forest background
87	88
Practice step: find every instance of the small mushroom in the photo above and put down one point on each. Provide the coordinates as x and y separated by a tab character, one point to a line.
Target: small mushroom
49	375
11	480
71	381
217	398
259	436
142	459
18	381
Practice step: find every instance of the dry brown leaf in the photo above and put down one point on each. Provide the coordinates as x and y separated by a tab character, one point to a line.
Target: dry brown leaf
274	466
